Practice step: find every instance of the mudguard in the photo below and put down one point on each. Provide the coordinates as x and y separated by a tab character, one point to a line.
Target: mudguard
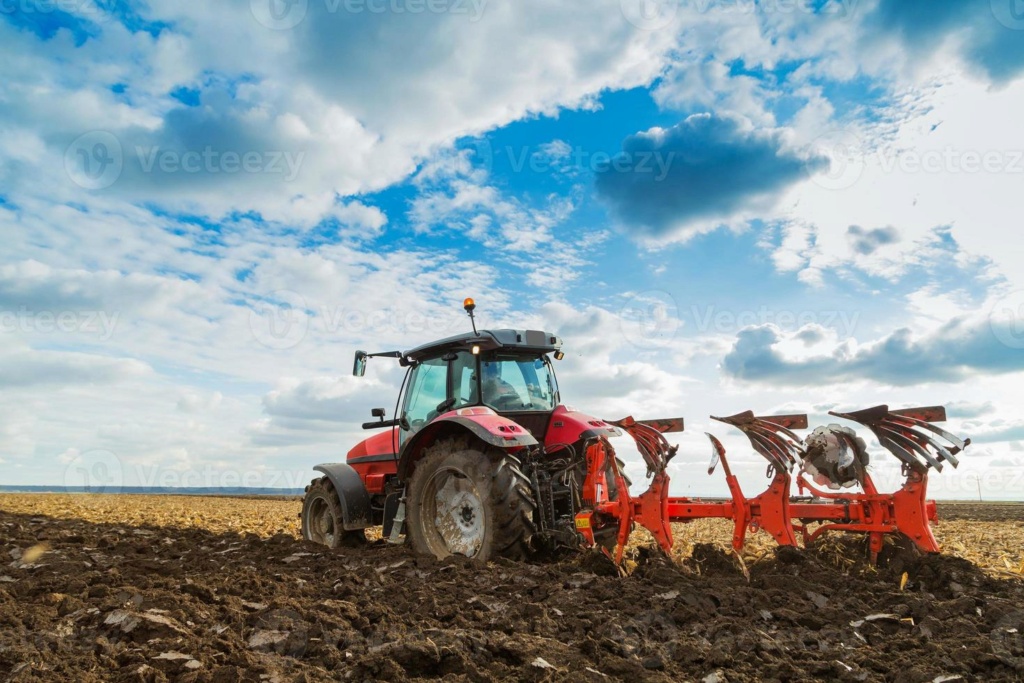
483	423
355	501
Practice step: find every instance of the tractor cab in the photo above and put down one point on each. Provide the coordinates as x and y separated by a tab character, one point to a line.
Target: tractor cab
507	371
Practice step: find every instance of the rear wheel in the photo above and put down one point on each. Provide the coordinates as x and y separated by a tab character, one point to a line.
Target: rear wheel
466	498
322	520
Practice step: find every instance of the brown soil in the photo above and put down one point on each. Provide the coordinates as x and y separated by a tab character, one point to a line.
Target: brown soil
116	601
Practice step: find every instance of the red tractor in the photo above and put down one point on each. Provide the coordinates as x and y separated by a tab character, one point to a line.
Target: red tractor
482	460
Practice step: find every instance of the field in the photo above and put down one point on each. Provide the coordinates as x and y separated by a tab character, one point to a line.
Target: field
140	588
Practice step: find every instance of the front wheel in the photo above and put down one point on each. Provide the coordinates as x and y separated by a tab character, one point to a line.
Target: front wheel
470	499
322	520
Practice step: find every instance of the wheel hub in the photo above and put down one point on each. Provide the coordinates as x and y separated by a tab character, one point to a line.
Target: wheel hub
459	517
322	523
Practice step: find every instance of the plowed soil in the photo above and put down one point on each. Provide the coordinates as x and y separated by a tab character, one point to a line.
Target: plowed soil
100	595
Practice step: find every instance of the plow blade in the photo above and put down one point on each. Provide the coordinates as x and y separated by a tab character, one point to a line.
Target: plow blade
771	436
910	435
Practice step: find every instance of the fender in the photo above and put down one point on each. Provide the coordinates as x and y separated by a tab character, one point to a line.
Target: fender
355	501
481	422
568	425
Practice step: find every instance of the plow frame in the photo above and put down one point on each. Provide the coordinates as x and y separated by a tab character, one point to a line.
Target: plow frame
908	434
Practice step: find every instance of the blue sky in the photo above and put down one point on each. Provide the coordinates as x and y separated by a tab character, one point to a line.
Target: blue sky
719	205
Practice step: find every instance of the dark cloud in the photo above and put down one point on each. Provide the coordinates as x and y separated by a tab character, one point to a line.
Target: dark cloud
988	32
868	241
959	350
705	167
810	335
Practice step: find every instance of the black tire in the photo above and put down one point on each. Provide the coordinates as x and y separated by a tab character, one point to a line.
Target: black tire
493	511
322	520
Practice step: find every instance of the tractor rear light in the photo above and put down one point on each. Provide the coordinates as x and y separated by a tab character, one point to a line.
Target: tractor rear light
469	412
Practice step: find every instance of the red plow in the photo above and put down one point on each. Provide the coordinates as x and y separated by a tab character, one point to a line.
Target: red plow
831	457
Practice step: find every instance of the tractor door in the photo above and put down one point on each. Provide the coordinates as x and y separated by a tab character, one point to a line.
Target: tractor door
428	388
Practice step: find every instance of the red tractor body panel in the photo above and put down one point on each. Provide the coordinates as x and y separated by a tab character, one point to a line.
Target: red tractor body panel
568	425
374	459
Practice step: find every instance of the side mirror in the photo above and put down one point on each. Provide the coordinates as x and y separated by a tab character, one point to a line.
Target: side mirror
359	368
378	412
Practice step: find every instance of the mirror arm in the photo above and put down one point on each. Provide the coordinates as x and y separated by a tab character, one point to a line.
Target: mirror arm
384	423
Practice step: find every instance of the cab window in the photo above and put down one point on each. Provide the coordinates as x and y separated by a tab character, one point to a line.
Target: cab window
427	389
517	384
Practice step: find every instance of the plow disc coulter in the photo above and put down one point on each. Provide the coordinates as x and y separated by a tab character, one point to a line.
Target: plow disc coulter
482	459
831	457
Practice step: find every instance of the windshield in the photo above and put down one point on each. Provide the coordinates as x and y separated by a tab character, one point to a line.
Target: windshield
510	383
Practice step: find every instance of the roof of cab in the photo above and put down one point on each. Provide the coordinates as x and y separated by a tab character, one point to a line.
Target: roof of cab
489	340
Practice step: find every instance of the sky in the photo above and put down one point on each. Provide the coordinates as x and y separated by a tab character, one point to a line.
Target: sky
719	205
